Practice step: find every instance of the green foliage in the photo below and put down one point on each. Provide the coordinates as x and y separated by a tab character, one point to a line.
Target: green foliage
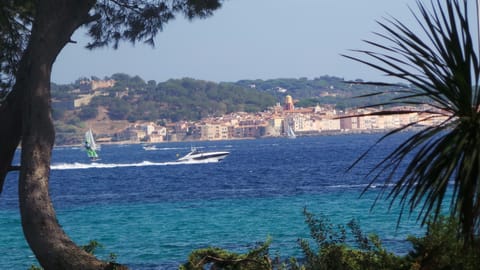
74	121
118	109
140	20
15	25
69	134
111	22
91	246
62	92
187	99
333	251
443	248
58	113
88	112
342	247
220	259
322	90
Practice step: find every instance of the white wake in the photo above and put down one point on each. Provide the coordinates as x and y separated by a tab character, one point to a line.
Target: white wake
78	165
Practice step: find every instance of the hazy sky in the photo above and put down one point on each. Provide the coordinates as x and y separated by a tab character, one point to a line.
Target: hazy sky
246	39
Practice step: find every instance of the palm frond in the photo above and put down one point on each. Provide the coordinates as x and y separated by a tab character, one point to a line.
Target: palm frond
441	63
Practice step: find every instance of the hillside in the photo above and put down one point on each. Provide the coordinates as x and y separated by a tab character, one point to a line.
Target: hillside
102	124
111	104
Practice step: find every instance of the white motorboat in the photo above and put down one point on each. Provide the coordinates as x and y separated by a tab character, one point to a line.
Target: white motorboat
149	147
196	155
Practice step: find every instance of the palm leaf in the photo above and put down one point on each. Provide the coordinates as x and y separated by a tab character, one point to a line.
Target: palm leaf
443	67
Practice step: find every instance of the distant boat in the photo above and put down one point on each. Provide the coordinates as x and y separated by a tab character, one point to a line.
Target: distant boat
90	146
196	155
149	147
290	133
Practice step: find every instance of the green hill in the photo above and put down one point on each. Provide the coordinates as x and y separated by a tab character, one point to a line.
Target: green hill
124	98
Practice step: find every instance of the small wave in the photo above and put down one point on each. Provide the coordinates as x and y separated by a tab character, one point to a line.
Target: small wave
77	165
166	148
171	148
363	185
349	186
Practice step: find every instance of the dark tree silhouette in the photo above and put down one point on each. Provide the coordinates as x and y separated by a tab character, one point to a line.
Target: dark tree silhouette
32	35
442	64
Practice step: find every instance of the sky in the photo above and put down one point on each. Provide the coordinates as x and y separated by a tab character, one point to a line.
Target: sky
246	39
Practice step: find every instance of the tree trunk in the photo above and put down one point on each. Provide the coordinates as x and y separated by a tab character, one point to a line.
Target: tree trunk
54	24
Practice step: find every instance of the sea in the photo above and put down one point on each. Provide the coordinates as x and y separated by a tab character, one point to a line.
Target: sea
151	211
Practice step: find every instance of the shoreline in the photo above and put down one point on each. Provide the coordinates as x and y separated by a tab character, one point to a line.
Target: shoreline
299	135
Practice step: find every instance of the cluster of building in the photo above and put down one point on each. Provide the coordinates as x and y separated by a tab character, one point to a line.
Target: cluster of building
318	120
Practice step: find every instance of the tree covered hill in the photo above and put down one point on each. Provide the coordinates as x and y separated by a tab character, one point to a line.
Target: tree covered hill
128	98
323	90
122	97
133	99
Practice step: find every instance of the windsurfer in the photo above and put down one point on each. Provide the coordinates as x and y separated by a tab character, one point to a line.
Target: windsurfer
87	146
90	152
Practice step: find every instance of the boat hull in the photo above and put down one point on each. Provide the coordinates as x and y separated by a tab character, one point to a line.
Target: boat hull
204	156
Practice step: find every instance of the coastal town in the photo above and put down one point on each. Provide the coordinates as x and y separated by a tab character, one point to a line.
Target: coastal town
282	120
276	123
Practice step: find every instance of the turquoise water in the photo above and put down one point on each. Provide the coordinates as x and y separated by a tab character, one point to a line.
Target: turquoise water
152	213
151	233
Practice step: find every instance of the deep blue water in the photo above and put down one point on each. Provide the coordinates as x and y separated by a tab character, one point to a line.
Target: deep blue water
151	212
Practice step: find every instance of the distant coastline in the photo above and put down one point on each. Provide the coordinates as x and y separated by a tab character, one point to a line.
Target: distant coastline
124	109
316	134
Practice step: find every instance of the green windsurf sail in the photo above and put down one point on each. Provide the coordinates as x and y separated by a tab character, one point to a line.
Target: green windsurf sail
90	145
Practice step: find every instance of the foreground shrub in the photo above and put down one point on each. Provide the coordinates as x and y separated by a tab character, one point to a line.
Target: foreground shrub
334	251
339	247
442	247
217	258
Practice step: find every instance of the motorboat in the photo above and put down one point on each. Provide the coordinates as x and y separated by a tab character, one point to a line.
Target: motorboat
196	155
149	147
